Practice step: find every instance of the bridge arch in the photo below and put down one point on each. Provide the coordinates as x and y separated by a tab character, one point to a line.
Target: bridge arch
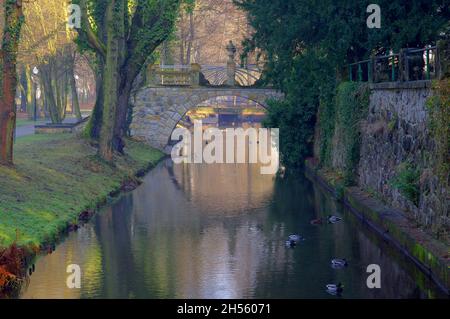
157	110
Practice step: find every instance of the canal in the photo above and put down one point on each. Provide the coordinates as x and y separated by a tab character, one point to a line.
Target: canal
219	231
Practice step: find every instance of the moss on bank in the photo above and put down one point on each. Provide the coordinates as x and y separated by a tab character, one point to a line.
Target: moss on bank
55	178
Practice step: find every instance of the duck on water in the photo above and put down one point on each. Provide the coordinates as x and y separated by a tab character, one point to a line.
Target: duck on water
332	219
338	263
293	240
335	289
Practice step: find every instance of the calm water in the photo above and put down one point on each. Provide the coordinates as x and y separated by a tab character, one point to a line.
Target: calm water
219	231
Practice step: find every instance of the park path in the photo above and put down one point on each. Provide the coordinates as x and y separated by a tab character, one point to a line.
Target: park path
28	129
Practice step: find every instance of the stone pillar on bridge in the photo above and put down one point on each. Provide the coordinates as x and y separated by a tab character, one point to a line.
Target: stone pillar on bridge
231	65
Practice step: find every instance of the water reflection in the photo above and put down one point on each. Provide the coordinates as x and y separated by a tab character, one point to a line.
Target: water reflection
218	231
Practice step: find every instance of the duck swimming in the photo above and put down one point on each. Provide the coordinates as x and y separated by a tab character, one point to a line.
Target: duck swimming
338	263
334	219
335	289
293	240
290	244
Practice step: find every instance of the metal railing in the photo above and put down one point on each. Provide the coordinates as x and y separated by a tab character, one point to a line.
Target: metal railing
408	65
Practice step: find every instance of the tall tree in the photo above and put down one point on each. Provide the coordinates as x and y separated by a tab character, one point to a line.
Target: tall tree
55	74
204	28
123	34
307	43
13	20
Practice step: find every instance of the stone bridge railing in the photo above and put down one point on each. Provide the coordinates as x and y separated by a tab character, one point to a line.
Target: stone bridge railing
194	75
174	75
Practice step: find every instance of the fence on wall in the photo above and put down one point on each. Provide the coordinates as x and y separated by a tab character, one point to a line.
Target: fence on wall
407	65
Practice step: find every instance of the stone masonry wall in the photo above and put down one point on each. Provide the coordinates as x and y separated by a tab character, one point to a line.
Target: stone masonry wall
157	110
396	132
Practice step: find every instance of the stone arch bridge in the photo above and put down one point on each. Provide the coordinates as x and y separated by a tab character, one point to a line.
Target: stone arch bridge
157	110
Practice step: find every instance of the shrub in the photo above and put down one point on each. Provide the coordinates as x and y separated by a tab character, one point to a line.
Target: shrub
407	182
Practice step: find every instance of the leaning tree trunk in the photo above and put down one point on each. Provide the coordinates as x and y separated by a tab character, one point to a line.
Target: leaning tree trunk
8	78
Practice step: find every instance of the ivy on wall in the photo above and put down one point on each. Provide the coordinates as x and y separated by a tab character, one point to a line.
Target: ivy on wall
439	118
340	133
326	123
352	102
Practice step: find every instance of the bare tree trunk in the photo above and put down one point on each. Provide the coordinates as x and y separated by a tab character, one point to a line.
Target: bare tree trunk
166	57
191	37
30	94
182	39
8	78
23	88
75	100
64	88
52	94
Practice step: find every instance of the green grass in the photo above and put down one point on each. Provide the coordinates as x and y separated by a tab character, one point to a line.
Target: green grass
54	179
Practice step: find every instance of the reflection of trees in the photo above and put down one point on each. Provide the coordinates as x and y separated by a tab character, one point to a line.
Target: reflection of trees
169	165
92	270
49	280
113	229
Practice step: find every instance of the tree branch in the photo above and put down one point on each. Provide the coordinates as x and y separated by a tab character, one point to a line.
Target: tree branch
151	25
92	38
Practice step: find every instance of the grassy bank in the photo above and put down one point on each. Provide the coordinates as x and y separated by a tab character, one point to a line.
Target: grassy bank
55	178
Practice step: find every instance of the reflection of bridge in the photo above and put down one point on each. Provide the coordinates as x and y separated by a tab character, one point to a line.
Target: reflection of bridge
172	91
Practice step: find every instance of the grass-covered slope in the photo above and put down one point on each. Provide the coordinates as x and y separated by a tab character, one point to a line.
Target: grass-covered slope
55	178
